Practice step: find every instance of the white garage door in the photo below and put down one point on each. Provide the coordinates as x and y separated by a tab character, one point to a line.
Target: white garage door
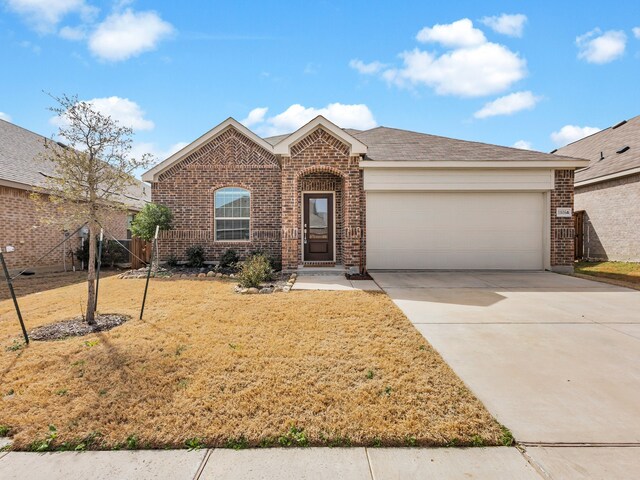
470	230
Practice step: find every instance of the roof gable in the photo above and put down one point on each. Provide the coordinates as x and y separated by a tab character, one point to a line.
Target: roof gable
153	174
283	147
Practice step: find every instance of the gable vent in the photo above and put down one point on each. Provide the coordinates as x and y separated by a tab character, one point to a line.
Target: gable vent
618	124
623	149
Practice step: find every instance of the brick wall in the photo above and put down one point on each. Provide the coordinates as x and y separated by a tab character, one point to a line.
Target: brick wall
187	188
612	219
321	153
562	229
23	227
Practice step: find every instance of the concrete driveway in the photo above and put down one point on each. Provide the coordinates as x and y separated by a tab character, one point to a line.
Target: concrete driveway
554	358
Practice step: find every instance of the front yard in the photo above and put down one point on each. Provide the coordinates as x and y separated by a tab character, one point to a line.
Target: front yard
624	273
207	367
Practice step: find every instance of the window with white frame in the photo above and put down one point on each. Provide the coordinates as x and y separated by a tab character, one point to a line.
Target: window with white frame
232	214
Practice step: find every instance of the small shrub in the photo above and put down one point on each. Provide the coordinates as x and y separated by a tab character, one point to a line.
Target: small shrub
255	270
132	442
194	443
507	437
276	263
172	261
295	437
15	346
229	259
195	256
237	443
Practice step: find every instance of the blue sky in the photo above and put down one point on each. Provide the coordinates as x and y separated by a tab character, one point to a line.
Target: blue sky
497	72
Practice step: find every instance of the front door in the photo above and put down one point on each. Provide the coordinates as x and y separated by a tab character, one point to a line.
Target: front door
318	227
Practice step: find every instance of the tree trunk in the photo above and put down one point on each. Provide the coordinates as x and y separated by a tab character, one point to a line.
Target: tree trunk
91	277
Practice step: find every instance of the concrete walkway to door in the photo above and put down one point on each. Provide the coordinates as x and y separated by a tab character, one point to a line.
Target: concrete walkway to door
555	358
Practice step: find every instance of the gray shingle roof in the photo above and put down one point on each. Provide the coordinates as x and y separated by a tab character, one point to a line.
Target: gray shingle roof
20	162
392	144
608	142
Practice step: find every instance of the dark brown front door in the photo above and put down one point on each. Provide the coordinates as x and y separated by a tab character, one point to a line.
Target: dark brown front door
318	227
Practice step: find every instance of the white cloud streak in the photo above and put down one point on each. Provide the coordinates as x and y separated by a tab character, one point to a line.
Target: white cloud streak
356	116
127	34
508	105
506	24
571	133
599	48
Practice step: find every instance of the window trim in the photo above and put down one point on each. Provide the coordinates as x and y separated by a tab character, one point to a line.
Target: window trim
215	230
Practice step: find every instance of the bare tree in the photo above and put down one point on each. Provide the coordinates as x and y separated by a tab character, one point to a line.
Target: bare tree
93	172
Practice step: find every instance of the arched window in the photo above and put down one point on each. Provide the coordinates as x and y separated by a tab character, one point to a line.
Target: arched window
232	214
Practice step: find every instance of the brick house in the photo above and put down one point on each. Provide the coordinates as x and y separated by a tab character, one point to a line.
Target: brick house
607	192
383	198
21	171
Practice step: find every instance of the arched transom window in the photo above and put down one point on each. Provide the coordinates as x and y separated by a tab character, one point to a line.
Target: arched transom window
232	214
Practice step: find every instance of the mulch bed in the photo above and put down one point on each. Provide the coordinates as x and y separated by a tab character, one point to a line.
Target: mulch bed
77	327
358	276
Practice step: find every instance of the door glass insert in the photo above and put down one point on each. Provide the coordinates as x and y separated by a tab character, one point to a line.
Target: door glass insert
318	219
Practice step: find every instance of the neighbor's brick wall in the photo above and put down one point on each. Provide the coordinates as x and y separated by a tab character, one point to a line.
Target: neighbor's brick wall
187	188
612	219
320	152
562	229
22	226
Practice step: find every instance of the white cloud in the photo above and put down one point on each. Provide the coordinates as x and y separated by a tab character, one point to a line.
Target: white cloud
5	116
512	25
509	104
571	133
159	154
597	47
127	34
73	33
346	116
44	15
468	72
255	116
366	68
636	32
126	111
457	34
523	145
471	66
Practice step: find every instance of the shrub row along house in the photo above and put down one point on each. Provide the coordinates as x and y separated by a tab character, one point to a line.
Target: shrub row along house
383	198
33	229
608	193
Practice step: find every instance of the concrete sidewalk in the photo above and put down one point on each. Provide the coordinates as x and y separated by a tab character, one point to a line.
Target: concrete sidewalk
495	463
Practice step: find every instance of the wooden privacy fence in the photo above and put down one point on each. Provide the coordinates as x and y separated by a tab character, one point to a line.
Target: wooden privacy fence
140	253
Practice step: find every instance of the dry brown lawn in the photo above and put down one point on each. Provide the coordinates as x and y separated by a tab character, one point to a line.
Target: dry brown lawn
316	368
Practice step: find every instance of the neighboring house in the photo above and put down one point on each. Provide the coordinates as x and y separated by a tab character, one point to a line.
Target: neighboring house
22	170
375	199
608	192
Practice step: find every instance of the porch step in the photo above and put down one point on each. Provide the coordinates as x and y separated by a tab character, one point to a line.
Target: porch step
315	269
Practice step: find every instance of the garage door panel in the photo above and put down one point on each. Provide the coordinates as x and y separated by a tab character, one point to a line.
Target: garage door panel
447	230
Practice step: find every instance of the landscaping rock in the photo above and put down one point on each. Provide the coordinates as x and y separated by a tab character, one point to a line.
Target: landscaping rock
202	275
277	289
211	273
243	291
286	288
266	290
253	290
219	275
